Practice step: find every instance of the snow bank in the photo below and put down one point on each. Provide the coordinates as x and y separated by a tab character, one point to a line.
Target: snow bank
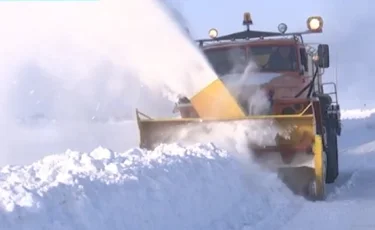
199	187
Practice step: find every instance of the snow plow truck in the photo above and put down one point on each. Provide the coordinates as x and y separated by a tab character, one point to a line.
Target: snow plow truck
289	72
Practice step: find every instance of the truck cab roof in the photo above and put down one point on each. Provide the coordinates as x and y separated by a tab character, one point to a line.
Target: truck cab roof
237	43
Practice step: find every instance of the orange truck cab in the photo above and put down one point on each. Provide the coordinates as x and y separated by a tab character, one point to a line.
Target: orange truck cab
275	66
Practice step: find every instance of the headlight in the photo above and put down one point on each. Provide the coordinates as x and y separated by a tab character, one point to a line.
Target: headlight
315	23
213	33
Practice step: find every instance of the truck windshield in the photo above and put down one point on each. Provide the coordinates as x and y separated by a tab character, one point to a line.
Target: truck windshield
268	58
273	58
227	60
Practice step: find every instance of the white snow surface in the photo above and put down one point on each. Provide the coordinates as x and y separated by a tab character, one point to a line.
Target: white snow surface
357	113
175	187
199	187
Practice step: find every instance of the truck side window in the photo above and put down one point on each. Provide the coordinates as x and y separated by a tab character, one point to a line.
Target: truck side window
304	58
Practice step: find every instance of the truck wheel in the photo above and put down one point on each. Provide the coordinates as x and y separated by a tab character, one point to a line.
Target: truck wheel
332	156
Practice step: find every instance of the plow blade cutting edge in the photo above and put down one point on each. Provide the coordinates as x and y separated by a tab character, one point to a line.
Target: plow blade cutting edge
293	148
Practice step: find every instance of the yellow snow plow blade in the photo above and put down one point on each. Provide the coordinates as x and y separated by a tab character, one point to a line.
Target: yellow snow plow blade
295	150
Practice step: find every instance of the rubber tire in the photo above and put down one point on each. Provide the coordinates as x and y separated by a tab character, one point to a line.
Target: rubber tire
332	156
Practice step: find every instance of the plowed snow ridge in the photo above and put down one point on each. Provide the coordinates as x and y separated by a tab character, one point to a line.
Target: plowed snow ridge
198	187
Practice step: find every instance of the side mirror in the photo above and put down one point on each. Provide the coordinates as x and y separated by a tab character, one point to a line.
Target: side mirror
323	54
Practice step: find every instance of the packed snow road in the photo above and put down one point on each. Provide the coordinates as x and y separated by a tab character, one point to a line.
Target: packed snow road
199	187
351	200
